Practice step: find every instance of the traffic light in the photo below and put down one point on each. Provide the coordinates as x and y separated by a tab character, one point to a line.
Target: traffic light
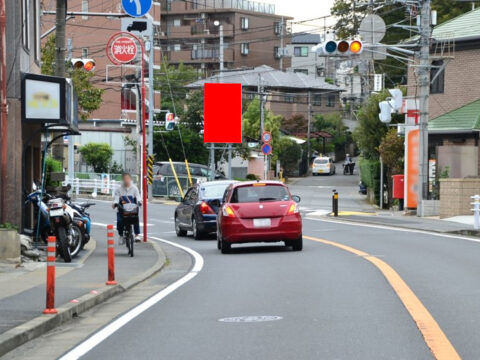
169	121
86	64
385	111
397	99
339	48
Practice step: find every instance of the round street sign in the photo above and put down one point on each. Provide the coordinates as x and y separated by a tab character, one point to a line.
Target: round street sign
267	136
136	8
123	49
267	149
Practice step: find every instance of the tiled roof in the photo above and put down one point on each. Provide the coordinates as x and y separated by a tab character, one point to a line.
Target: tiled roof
271	78
464	118
465	26
306	39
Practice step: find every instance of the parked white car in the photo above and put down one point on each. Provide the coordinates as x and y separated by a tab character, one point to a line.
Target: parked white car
323	165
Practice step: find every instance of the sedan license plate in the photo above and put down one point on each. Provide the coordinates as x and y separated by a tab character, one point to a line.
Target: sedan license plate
262	223
56	212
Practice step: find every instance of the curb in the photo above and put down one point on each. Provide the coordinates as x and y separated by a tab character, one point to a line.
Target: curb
21	334
466	232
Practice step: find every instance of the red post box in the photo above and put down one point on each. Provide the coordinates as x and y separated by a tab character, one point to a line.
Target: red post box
398	186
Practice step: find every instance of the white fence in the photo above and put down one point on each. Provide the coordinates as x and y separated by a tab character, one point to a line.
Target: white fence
93	186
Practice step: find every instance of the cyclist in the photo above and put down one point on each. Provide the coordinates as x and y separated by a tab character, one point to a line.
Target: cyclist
127	193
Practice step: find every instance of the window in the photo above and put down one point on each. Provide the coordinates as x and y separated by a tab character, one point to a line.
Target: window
320	71
277	52
177	47
317	100
244	23
245	194
25	24
277	28
177	22
36	30
84	53
300	51
301	71
289	98
244	48
437	86
331	101
85	9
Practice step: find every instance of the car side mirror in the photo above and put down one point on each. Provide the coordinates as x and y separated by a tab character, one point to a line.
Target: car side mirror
296	198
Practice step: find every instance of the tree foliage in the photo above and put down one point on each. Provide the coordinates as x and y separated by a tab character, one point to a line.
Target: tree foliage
332	123
295	124
89	96
195	149
193	115
171	81
98	156
289	153
392	151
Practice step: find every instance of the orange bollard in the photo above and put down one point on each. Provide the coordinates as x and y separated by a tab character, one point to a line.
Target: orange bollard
51	255
111	255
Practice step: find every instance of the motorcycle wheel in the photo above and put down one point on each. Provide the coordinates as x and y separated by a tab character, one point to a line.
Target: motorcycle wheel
77	241
62	244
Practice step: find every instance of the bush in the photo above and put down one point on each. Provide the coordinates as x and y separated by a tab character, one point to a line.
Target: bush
52	165
252	177
97	155
370	175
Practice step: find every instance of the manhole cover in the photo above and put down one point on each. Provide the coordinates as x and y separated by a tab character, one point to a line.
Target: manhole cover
243	319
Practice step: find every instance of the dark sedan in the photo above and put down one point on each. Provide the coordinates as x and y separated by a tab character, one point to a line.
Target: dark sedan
197	212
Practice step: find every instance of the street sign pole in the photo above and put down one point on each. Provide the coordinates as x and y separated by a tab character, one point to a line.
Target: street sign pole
151	107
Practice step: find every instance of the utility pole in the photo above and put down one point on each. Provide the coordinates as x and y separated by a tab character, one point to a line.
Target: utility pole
60	24
424	92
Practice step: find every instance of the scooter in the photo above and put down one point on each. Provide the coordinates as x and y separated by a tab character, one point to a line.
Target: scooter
348	168
82	215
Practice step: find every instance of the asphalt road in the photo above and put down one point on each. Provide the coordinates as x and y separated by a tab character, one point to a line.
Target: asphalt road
328	302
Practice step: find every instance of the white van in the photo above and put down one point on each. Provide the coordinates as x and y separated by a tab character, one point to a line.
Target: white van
323	165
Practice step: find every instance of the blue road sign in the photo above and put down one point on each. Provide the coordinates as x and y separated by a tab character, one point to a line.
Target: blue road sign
137	8
267	149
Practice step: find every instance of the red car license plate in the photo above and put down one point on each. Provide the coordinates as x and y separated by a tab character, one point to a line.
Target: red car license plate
262	223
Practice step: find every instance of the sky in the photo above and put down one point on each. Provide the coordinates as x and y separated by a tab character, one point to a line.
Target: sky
304	10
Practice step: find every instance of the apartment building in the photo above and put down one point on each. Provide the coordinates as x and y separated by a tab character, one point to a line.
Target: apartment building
253	34
303	59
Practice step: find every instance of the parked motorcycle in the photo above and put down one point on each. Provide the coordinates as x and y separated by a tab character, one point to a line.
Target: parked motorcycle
58	218
83	216
348	167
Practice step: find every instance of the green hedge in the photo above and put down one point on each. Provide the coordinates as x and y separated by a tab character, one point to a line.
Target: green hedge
370	175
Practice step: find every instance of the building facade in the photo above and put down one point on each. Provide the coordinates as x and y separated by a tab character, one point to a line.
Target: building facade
20	143
303	59
252	33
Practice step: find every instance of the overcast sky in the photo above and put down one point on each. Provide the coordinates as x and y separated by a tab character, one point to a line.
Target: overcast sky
304	10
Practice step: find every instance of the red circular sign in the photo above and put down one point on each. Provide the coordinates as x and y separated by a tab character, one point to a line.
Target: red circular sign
123	49
267	136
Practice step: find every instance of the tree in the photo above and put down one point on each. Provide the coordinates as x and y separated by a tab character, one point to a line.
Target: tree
332	123
295	124
171	81
193	116
370	131
89	97
289	153
196	152
97	155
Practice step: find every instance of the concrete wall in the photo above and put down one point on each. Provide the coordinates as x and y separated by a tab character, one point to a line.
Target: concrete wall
455	196
462	161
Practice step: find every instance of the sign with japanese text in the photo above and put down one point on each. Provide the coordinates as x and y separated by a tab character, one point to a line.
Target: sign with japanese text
123	49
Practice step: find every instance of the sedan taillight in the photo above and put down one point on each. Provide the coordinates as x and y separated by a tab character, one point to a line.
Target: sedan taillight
227	211
293	209
205	208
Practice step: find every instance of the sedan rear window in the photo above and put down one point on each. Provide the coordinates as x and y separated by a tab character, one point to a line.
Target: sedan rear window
260	192
321	161
213	191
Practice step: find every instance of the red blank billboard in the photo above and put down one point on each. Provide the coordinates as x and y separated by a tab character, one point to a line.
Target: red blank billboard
222	111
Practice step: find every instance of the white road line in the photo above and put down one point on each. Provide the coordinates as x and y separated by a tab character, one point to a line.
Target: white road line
386	227
103	334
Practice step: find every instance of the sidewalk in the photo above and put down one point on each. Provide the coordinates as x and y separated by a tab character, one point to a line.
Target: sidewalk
79	286
398	219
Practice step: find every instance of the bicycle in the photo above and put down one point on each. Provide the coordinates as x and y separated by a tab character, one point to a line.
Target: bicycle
129	218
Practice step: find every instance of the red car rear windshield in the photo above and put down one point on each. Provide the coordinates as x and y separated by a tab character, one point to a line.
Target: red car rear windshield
268	192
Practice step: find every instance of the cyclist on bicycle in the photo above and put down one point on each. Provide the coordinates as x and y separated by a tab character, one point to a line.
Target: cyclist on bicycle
125	194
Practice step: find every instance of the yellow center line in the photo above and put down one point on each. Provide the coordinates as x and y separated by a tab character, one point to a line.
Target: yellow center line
434	337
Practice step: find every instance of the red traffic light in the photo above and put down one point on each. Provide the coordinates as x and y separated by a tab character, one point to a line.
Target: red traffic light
86	64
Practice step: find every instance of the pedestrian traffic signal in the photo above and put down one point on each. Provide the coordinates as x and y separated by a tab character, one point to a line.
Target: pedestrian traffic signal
86	64
339	48
169	121
385	112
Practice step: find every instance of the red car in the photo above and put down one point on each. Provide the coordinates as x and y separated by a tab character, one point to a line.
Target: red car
259	211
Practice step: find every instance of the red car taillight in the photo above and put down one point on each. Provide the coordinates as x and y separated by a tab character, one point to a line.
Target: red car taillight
293	209
227	211
205	208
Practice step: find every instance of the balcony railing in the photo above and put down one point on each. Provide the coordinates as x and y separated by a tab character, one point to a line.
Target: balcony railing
260	7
